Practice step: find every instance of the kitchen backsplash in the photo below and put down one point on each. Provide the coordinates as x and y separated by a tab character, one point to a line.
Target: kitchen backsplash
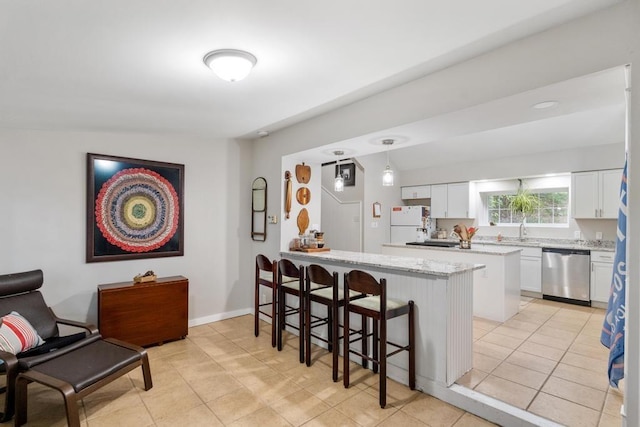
587	229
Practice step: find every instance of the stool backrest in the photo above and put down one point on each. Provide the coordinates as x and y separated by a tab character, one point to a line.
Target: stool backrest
363	282
264	263
289	269
320	276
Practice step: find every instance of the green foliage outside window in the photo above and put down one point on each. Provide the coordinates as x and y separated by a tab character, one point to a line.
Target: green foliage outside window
553	208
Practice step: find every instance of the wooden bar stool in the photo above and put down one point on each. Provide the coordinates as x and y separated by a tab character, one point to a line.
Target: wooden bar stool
322	287
266	275
380	308
290	280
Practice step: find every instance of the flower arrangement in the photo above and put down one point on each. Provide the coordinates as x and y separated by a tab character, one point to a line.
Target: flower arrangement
463	232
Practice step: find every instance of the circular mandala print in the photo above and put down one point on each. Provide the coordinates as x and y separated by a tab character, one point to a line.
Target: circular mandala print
137	210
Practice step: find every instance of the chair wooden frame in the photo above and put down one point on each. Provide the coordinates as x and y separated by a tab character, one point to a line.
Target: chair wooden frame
363	282
69	393
264	264
288	269
320	277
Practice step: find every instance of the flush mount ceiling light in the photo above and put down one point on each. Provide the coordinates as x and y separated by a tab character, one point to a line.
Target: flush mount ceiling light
230	64
545	104
338	184
387	174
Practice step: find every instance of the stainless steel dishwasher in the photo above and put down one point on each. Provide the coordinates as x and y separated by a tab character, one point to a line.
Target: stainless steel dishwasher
566	275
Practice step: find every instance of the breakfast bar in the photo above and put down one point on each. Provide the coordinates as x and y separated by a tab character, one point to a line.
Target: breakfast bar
496	288
443	296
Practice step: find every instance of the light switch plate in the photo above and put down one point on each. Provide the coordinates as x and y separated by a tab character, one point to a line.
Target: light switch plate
576	234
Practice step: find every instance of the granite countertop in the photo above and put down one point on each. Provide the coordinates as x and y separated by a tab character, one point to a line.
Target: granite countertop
389	262
493	250
593	245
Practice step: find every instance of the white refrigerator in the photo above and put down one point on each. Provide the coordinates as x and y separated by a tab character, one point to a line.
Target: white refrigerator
405	221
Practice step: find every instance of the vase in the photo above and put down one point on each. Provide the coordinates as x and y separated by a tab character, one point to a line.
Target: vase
465	244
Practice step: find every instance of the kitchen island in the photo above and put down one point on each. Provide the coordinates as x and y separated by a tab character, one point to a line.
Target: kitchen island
443	296
496	288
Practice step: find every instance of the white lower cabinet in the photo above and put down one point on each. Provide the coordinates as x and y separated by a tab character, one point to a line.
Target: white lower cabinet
531	270
601	273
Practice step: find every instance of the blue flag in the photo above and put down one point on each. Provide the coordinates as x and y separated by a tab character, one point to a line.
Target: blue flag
613	329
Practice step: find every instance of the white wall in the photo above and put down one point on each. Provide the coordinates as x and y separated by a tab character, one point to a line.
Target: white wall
289	227
43	214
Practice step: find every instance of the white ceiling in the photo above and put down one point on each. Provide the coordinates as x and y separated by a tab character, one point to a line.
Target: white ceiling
590	111
136	65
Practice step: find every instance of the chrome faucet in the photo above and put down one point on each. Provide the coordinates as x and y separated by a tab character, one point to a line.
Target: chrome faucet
522	232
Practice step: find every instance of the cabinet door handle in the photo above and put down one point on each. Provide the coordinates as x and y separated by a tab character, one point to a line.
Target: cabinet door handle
596	214
592	267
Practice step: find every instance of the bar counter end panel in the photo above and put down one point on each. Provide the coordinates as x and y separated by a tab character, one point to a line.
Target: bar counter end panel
443	296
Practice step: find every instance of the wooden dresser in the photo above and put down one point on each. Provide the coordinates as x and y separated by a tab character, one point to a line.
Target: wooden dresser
144	313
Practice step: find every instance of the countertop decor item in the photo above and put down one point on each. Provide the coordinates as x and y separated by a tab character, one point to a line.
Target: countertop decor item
149	276
465	234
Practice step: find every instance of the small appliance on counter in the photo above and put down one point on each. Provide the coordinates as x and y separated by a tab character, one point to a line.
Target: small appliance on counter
410	224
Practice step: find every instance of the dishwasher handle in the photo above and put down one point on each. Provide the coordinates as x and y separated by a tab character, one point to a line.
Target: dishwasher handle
565	251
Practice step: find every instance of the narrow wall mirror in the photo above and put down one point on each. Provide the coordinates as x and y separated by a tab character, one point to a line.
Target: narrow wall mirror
259	209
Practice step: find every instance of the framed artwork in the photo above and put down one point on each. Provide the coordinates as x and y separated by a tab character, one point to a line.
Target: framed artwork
348	172
135	208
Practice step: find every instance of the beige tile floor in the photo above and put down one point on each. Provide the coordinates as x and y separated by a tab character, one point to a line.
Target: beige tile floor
222	375
549	361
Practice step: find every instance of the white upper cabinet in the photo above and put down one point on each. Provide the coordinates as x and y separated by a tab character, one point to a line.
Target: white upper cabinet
610	192
452	201
595	194
416	192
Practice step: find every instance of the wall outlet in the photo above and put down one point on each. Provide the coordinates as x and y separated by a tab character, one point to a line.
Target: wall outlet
273	219
577	234
598	235
374	224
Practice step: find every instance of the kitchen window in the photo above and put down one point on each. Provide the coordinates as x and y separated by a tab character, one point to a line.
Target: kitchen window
553	209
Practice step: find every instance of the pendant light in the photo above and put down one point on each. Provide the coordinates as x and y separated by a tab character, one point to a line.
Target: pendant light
338	184
387	174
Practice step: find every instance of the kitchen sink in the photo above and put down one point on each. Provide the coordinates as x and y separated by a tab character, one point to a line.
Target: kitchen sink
437	243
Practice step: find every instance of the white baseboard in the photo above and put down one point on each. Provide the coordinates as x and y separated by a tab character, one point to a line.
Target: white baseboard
220	316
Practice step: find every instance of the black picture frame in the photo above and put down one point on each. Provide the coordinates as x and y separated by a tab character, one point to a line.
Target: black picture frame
348	171
135	208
